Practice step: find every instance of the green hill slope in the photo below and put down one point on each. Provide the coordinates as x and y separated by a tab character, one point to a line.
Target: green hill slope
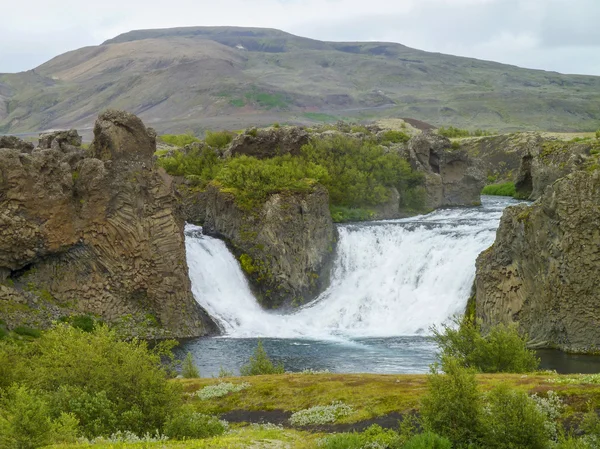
201	77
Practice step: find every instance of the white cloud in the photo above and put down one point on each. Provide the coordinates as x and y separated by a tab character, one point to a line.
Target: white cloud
521	32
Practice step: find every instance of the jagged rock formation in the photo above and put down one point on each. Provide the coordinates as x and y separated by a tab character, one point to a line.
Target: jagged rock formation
542	271
97	234
452	178
269	142
60	140
285	248
15	143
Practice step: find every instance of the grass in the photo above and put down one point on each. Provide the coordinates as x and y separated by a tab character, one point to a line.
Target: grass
320	117
504	189
243	437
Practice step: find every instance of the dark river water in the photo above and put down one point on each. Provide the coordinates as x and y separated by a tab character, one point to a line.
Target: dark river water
395	355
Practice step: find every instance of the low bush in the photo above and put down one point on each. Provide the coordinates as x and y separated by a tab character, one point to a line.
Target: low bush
188	424
321	414
452	406
374	437
501	350
394	137
219	139
504	189
86	323
27	331
451	132
25	421
260	363
179	140
427	440
221	389
511	419
188	369
340	214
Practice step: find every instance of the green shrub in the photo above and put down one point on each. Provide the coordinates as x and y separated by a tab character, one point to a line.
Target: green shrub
451	132
359	171
511	419
221	389
598	134
25	421
219	139
199	164
188	425
427	440
504	189
340	214
252	180
86	323
188	369
260	363
27	331
394	137
452	406
97	415
342	441
179	140
571	442
502	350
127	374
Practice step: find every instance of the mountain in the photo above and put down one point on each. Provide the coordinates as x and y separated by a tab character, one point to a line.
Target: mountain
224	77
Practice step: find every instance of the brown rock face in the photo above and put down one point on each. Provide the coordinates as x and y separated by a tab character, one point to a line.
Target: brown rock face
285	248
121	135
60	140
542	271
102	236
269	142
452	177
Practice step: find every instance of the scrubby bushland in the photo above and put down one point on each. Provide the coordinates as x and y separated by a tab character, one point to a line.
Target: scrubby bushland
95	379
260	363
189	370
358	173
504	189
218	139
501	350
451	132
189	424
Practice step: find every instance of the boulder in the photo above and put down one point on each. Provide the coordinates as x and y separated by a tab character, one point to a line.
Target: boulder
100	236
60	140
285	247
269	142
452	177
122	135
542	271
14	143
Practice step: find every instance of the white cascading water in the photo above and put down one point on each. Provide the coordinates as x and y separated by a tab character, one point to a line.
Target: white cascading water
390	278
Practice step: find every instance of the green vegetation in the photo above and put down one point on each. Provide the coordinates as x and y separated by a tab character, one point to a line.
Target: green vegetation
218	139
188	369
598	135
27	331
86	323
260	364
394	137
504	189
452	132
320	117
501	350
179	140
266	100
358	173
189	424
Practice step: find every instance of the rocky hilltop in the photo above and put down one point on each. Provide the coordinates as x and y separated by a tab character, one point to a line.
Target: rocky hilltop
94	231
542	271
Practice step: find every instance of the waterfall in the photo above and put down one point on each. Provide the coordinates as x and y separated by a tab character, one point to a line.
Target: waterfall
390	278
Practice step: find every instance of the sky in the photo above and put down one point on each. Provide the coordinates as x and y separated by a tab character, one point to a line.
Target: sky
558	35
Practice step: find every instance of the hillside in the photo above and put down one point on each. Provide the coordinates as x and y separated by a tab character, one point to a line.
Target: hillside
206	78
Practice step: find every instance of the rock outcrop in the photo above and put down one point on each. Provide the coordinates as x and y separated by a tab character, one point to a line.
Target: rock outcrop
542	271
99	235
269	142
60	140
452	177
285	248
14	143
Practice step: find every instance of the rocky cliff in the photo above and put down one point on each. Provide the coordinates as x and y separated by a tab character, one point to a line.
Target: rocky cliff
95	232
285	248
452	177
542	271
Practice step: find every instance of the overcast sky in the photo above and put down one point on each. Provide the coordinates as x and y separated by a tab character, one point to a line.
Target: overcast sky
560	35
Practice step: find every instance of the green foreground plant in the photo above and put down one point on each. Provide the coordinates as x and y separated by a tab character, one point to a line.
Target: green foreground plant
260	364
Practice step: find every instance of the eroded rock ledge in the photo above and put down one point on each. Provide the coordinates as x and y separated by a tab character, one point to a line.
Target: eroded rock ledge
96	231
